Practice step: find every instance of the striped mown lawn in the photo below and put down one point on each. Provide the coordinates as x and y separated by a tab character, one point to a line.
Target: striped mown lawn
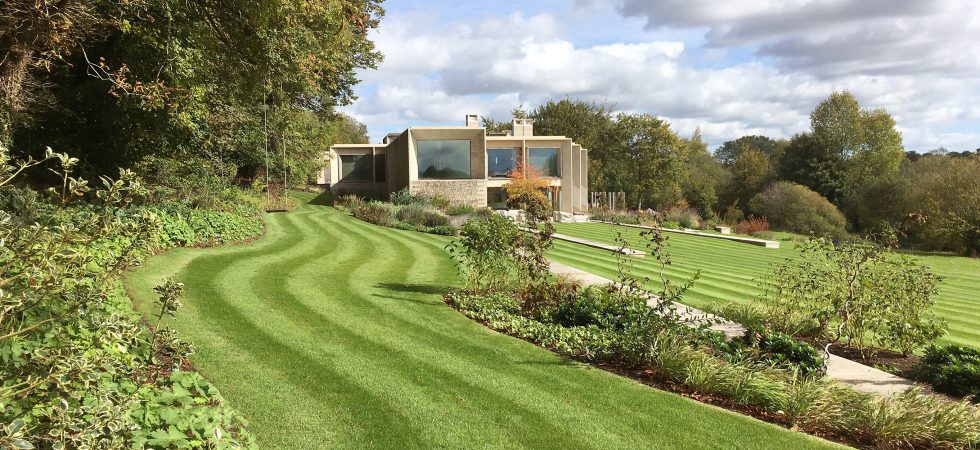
330	332
729	268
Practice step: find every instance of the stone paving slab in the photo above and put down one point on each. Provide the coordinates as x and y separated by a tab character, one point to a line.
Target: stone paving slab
854	374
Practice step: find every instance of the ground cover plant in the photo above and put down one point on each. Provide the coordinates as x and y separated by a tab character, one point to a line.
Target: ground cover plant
387	364
729	272
78	368
615	327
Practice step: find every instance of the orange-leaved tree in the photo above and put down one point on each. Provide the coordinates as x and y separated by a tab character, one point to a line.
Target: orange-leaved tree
526	191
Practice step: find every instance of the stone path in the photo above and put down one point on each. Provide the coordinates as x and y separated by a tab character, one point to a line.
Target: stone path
858	376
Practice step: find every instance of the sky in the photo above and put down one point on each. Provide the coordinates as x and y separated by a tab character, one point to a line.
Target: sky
730	67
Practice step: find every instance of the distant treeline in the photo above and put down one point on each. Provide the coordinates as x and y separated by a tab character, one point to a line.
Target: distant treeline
852	157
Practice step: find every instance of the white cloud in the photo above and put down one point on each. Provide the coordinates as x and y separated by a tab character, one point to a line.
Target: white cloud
834	37
438	70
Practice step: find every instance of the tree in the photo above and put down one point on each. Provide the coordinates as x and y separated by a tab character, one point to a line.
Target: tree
846	147
704	176
526	191
728	152
836	124
750	173
493	125
646	154
945	195
808	162
589	124
183	77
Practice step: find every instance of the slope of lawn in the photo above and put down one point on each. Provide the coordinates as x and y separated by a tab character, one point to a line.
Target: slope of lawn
331	332
729	268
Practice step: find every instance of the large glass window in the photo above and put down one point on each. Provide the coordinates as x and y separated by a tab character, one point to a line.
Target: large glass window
356	168
500	162
444	160
545	160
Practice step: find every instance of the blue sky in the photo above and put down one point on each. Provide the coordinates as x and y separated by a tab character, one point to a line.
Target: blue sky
730	67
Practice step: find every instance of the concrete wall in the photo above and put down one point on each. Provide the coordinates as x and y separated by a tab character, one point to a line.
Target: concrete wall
585	180
460	192
398	163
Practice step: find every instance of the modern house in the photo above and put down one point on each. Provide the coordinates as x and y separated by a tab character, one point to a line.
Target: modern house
463	164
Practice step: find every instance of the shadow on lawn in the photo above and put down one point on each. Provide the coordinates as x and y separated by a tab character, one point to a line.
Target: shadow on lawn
413	288
324	199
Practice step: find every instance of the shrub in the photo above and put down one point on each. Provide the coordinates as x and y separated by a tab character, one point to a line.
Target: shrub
952	369
349	202
784	350
481	253
459	210
375	212
796	208
420	215
24	205
600	307
912	419
406	197
865	291
752	225
732	215
182	225
607	215
685	216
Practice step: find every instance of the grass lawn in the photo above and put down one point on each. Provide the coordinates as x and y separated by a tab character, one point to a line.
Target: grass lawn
331	332
728	270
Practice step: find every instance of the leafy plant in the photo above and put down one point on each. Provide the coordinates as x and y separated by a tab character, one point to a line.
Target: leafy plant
482	254
952	369
375	212
75	363
853	293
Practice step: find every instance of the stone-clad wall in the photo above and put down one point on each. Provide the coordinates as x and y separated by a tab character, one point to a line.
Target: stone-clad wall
463	192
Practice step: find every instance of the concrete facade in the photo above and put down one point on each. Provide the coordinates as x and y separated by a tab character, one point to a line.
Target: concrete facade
396	164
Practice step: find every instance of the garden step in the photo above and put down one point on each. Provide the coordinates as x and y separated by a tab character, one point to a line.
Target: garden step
593	244
854	374
753	241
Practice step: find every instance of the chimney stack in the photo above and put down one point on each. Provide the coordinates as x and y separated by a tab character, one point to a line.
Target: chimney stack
523	127
472	120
